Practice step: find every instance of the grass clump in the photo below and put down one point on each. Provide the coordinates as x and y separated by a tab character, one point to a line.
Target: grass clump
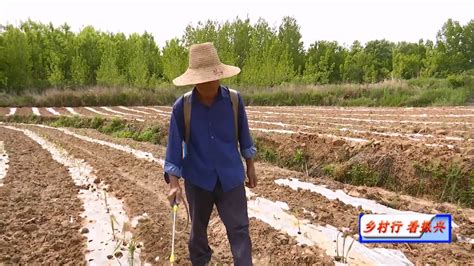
357	174
329	169
298	160
449	183
266	151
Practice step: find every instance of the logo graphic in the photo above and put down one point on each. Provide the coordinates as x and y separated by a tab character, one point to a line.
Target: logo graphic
415	228
218	72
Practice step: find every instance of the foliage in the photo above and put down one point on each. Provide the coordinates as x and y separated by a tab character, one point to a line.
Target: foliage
360	174
415	92
39	56
450	183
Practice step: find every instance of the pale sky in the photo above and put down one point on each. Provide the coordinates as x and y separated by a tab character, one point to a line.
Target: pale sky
340	20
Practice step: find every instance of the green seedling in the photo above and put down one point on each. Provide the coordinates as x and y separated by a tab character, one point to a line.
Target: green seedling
117	247
113	220
132	247
349	250
298	222
105	200
343	258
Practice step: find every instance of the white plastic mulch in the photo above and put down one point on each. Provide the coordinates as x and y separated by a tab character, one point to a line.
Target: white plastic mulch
3	162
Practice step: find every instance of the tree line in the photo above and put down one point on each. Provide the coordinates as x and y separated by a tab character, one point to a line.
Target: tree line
36	55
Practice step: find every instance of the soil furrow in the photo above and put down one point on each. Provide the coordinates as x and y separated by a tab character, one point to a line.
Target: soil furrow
39	208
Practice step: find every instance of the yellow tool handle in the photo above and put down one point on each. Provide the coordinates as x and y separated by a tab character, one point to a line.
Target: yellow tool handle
175	211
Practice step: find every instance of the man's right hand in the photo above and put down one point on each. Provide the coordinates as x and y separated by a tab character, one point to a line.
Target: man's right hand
175	194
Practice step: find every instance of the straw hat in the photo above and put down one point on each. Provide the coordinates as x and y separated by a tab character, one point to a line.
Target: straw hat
204	66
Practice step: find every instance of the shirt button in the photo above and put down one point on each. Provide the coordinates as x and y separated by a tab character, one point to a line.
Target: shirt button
212	137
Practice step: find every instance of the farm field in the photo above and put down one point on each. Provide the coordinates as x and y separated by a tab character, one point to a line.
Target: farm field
97	198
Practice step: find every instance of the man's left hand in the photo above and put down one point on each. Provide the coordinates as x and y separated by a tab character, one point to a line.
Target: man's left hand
252	177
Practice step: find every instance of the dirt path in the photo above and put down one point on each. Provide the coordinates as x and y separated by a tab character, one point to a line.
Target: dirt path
139	183
39	208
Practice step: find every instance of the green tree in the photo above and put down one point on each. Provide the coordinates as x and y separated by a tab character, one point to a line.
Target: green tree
36	34
454	50
108	73
290	36
408	59
87	44
324	63
468	44
355	64
138	74
242	30
175	59
253	72
79	70
379	64
203	32
59	52
55	72
152	56
16	63
122	47
269	62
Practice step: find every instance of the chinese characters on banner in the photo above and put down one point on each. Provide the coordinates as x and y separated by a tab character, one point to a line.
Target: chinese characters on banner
423	228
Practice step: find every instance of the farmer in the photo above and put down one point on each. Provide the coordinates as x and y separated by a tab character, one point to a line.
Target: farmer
207	127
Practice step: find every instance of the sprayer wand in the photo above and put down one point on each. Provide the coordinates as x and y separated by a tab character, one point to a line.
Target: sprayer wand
175	211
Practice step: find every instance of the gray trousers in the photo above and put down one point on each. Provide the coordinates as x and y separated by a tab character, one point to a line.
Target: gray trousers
232	209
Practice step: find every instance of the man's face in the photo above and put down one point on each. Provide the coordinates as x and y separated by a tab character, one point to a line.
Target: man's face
209	84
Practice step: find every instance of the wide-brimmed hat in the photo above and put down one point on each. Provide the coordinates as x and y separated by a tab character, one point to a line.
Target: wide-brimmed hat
204	66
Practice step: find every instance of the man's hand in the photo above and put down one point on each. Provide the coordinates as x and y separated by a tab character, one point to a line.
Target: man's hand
252	177
175	194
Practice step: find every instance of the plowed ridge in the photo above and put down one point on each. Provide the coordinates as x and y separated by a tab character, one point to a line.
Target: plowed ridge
101	242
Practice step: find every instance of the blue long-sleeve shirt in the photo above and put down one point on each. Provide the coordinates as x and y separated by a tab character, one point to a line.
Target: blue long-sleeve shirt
212	152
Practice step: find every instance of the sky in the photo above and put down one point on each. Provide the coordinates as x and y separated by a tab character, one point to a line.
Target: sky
340	20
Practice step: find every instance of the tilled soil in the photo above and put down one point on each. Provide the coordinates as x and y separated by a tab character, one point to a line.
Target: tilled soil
139	183
337	213
400	163
380	195
62	111
436	126
312	121
24	111
4	111
85	112
39	208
